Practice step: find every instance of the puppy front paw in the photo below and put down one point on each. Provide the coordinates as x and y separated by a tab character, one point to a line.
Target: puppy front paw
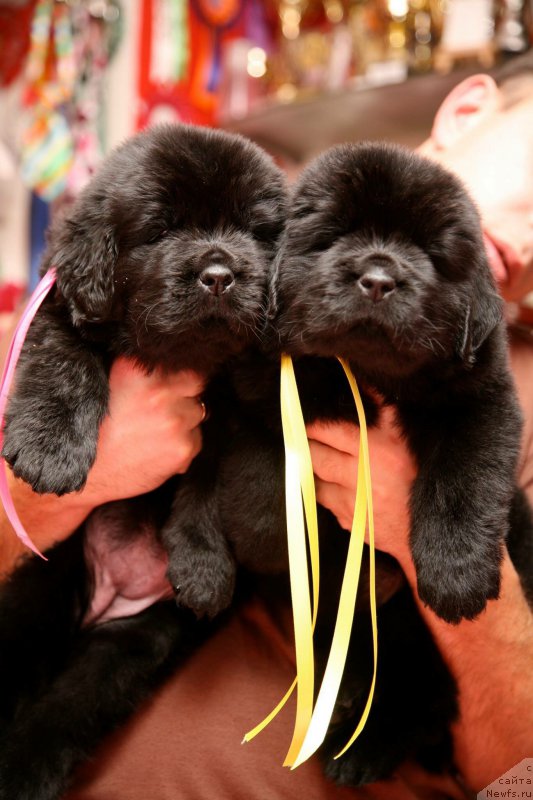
362	765
456	586
203	579
53	459
357	772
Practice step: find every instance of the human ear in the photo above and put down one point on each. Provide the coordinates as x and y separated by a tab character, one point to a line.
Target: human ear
469	104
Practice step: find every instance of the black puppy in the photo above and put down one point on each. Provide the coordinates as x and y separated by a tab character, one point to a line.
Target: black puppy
165	258
382	262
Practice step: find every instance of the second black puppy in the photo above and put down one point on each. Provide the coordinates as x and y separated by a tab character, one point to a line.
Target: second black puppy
383	263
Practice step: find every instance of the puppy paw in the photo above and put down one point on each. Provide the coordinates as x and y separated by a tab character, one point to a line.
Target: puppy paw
456	587
203	580
51	462
359	767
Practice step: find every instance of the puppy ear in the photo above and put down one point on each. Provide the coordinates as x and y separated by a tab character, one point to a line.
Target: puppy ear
482	314
269	333
84	252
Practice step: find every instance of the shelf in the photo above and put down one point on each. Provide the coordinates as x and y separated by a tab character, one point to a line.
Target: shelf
399	112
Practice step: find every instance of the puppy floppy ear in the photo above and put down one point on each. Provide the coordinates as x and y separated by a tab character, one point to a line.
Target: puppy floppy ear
482	315
84	252
269	333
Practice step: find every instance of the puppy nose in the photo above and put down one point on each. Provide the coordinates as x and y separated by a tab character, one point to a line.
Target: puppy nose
376	284
217	279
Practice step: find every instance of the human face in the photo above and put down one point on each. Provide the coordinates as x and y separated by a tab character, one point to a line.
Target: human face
494	158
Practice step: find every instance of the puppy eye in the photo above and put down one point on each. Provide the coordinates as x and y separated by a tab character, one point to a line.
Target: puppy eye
157	236
267	232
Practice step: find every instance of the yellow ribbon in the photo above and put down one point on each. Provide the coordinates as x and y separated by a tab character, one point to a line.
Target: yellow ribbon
311	725
298	473
364	457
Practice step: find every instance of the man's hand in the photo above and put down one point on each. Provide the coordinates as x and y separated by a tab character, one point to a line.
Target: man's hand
151	432
334	452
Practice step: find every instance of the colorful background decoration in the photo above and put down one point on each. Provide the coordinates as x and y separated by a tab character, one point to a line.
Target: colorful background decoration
193	40
14	39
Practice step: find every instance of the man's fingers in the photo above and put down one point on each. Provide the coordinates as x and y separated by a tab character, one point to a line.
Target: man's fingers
335	499
189	448
187	382
189	413
343	436
332	465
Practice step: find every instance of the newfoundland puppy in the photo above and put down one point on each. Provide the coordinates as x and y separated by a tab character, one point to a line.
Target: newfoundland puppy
165	258
382	262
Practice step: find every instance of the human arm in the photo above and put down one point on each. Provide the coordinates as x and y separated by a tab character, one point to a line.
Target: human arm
150	433
489	657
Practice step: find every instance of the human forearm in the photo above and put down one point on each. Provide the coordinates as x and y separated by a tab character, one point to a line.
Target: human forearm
46	518
491	660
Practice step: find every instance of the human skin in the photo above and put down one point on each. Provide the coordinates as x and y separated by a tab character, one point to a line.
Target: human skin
151	432
491	149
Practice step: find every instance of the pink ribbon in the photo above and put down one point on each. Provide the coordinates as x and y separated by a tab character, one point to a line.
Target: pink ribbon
15	347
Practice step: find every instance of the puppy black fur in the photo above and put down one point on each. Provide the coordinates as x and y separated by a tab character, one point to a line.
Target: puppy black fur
166	259
165	208
382	262
170	213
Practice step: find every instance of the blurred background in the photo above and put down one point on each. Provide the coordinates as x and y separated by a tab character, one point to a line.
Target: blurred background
78	76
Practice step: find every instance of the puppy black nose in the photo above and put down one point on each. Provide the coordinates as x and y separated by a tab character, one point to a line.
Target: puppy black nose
376	284
217	279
